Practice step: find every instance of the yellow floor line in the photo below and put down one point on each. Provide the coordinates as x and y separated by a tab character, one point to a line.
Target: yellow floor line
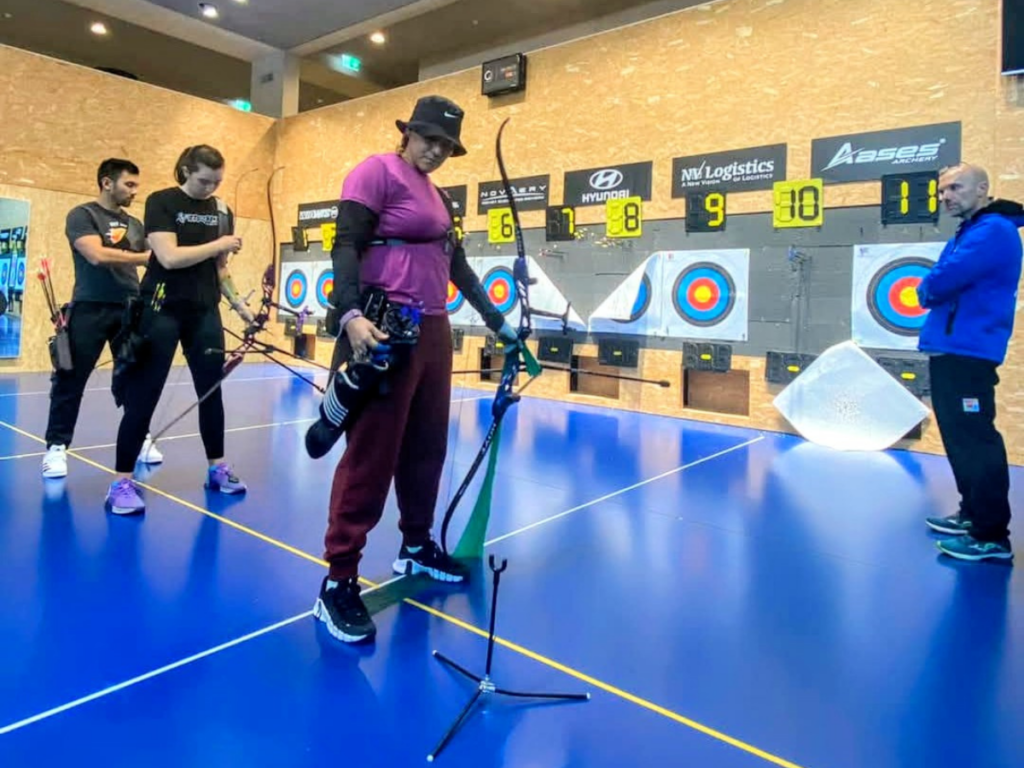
583	677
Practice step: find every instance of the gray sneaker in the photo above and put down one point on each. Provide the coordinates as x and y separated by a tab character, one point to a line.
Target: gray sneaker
954	525
221	478
123	498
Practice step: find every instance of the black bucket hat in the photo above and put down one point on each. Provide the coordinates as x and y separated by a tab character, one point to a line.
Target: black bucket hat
436	117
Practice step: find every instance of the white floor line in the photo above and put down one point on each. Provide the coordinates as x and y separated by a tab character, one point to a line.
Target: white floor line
171	667
238	641
149	675
612	495
189	383
165	439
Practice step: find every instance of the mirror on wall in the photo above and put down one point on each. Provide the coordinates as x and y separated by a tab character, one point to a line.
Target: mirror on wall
13	272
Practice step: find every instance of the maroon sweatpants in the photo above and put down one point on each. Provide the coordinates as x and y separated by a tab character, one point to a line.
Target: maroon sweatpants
402	435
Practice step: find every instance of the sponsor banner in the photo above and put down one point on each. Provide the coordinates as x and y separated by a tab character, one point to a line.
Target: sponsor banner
736	170
458	195
870	156
530	193
312	215
595	186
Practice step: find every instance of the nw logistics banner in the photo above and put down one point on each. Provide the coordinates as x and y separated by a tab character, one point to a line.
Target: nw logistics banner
735	170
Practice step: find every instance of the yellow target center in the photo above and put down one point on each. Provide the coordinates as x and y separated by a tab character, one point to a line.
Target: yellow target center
702	294
909	296
499	291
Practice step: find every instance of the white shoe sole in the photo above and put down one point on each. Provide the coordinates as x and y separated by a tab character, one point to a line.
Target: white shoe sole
320	612
411	568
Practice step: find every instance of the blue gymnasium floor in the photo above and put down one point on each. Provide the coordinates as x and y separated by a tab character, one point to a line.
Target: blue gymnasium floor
729	598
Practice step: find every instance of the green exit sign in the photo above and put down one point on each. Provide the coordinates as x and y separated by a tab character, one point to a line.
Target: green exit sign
350	62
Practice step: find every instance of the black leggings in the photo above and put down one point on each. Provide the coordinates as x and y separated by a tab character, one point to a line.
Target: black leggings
91	327
199	330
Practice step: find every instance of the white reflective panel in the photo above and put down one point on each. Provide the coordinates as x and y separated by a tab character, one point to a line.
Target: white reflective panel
845	400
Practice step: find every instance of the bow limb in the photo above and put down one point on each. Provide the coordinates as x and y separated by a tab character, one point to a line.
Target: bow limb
517	359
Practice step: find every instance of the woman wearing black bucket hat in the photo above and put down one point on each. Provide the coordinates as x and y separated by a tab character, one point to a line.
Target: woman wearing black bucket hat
395	234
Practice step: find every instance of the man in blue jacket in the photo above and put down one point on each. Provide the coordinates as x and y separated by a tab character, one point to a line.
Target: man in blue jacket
971	293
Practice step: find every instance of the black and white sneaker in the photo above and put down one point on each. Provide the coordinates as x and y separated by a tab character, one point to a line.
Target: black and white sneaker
342	610
429	559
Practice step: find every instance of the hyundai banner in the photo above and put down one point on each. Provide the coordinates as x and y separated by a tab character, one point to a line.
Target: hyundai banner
596	186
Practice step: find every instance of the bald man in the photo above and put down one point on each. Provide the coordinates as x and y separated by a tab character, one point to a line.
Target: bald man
971	293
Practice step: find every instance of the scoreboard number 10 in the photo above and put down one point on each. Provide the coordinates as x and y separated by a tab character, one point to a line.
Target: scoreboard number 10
798	204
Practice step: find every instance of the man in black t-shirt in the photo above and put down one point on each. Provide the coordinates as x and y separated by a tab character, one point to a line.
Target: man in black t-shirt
107	247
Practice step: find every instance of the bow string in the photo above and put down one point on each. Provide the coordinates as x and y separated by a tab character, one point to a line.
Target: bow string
518	358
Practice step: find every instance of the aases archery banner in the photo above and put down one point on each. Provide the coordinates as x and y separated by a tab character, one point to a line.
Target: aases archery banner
682	295
886	313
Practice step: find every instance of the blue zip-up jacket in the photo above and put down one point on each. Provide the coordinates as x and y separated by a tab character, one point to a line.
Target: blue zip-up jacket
971	291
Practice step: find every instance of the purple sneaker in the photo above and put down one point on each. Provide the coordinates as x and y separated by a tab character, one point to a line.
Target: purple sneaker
123	498
221	478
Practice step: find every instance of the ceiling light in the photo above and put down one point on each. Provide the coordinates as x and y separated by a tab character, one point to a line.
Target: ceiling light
98	28
378	38
208	10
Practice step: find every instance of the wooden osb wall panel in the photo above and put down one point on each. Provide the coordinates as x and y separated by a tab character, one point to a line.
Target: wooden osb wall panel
1008	182
732	74
50	149
47	213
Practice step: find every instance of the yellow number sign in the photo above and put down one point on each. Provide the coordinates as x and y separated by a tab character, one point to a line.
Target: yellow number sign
500	227
714	204
327	232
624	217
798	204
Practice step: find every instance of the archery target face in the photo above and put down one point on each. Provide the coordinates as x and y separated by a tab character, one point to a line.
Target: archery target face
296	286
501	289
885	313
704	294
642	303
892	296
455	299
19	282
324	286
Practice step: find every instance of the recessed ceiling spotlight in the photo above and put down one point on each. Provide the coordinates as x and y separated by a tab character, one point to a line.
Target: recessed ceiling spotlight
98	28
208	10
378	38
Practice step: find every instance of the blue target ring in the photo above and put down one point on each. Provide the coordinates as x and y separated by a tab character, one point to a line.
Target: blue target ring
5	272
324	288
642	303
892	295
501	289
455	299
21	273
295	288
704	294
